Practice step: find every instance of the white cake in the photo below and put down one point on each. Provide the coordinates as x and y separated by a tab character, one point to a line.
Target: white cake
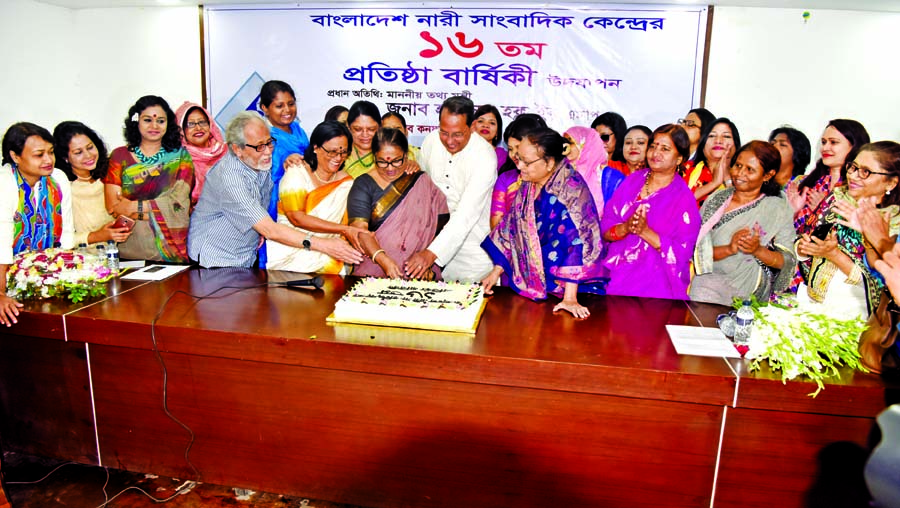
446	306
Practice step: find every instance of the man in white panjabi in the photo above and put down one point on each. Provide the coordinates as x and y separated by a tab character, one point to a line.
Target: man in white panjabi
464	167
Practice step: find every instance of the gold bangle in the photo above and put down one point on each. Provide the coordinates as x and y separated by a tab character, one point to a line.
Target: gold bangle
375	255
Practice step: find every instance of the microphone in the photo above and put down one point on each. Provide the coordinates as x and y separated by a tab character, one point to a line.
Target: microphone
315	282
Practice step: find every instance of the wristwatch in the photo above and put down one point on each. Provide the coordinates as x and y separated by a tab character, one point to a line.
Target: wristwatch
306	243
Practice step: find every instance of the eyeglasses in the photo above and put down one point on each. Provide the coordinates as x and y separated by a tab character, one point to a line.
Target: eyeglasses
331	154
201	123
687	123
605	137
395	163
262	146
526	164
862	171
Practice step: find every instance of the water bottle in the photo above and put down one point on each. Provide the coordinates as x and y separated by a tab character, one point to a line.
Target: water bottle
743	324
112	257
83	250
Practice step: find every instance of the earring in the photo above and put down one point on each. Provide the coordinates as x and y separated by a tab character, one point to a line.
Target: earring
887	192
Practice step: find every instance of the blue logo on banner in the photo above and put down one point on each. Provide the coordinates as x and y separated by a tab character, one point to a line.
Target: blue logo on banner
245	99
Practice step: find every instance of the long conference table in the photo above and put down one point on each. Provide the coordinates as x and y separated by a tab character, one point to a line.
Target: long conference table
536	409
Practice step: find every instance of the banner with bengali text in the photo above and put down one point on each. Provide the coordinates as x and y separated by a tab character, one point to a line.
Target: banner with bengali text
566	63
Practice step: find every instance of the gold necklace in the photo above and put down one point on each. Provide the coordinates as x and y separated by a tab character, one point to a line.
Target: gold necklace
316	176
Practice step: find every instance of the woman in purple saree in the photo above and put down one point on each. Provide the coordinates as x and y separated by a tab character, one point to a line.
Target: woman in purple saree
404	211
549	241
651	224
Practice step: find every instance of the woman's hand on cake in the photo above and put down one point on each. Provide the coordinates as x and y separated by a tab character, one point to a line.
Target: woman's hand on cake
338	248
490	280
391	269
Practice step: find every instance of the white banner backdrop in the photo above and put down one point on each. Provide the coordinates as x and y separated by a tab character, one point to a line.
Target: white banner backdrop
567	63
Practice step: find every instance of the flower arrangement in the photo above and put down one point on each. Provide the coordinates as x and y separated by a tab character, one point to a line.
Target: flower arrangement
56	272
799	342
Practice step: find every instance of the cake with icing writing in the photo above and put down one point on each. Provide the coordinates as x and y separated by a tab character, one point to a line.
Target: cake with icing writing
446	306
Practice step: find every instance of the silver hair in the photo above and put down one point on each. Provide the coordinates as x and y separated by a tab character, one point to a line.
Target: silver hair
234	133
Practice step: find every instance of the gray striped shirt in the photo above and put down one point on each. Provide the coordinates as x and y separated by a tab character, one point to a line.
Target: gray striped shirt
234	198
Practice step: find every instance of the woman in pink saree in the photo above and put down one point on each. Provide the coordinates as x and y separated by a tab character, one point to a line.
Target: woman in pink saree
404	211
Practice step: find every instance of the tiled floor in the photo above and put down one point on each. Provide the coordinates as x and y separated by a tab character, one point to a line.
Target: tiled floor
78	486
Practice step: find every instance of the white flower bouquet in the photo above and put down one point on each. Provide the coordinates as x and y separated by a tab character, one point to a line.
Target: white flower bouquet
56	272
798	342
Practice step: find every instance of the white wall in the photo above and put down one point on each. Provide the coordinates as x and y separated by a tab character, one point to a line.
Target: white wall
92	64
768	67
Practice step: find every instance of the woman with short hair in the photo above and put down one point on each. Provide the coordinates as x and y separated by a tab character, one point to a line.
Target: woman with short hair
745	245
35	203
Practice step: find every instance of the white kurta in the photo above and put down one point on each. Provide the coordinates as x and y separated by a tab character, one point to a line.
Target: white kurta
467	179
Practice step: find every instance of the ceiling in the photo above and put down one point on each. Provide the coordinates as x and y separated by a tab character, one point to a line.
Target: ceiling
857	5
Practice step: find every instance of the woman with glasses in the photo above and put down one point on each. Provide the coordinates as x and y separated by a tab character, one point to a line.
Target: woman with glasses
312	198
405	211
694	123
745	245
651	224
549	242
707	171
149	180
858	223
508	182
202	138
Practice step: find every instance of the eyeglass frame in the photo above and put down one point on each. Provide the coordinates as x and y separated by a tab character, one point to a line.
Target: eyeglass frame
260	147
383	164
201	123
860	169
532	162
688	123
331	154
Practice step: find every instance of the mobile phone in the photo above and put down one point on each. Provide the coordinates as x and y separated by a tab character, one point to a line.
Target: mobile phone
124	222
822	230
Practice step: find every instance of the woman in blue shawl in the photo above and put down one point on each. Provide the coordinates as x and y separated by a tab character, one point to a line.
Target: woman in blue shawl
279	104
